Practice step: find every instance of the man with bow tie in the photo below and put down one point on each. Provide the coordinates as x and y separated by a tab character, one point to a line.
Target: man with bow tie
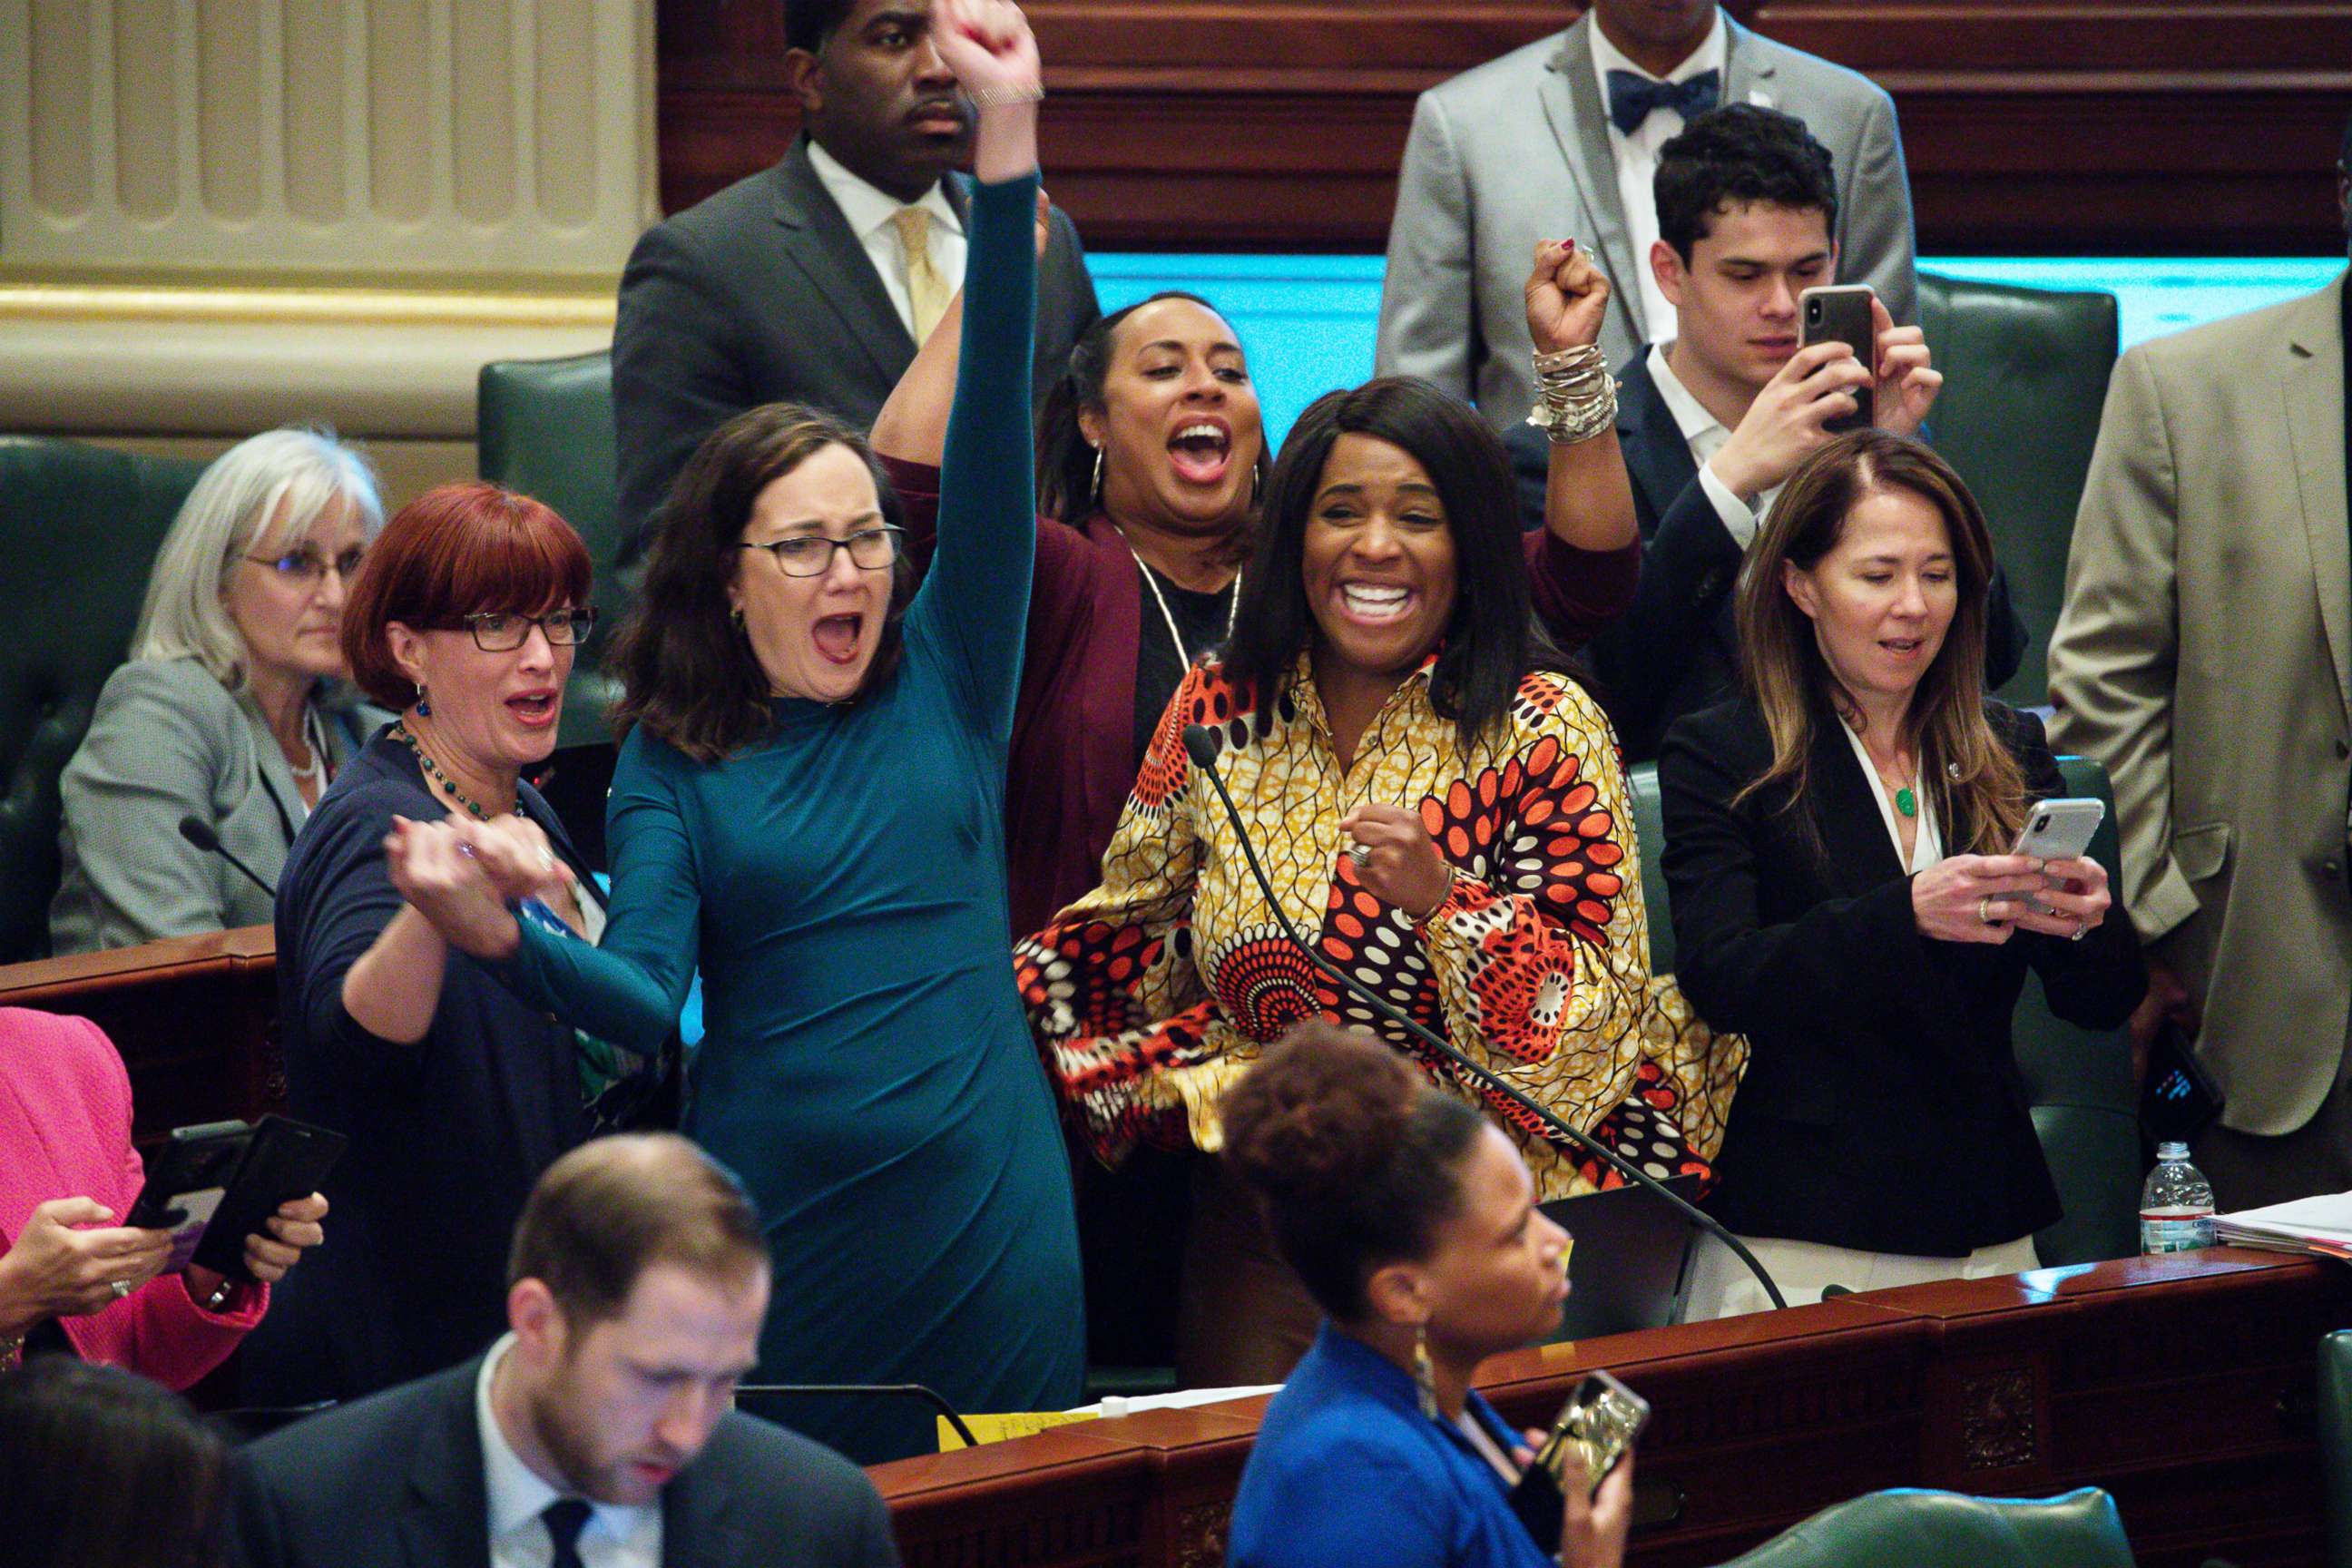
1561	139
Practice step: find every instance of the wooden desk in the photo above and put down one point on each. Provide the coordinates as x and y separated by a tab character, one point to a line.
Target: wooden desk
195	1018
2184	1386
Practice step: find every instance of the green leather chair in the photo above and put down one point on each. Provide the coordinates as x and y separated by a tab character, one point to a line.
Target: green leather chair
1949	1530
545	428
2335	1442
2078	1081
2025	377
79	530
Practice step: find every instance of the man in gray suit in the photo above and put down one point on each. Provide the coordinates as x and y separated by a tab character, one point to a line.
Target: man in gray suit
601	1429
1561	139
814	282
2204	654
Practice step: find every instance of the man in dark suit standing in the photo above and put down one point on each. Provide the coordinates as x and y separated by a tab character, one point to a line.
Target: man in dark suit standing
814	282
599	1433
1713	420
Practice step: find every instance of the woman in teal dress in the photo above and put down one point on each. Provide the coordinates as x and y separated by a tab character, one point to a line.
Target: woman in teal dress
809	805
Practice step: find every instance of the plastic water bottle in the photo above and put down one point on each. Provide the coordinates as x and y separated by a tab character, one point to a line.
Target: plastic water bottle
2176	1207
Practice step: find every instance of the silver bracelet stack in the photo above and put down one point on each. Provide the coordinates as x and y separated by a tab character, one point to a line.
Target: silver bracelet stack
998	97
1575	397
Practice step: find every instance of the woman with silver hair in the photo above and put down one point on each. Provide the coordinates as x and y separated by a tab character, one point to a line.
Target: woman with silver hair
232	709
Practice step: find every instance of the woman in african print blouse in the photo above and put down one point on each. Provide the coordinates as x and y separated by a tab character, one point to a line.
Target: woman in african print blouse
1385	691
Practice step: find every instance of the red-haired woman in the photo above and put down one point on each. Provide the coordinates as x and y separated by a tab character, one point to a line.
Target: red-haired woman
455	1094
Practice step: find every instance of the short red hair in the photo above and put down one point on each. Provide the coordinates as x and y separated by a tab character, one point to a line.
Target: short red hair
456	551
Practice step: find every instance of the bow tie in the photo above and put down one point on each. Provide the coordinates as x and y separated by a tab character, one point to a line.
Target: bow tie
1632	97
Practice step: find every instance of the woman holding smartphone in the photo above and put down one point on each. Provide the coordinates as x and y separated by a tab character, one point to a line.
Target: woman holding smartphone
1837	852
1411	1220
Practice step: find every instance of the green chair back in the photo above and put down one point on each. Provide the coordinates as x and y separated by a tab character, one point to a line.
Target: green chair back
1949	1530
545	428
1650	841
2025	377
2078	1081
78	529
2335	1442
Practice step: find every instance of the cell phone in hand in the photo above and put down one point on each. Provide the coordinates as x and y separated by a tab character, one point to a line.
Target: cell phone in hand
185	1183
2061	829
1840	312
1600	1425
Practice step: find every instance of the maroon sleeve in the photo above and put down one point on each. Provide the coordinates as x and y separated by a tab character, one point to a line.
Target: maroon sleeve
1579	593
918	485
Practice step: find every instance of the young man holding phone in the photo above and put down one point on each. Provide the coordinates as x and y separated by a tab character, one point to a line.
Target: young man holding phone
1714	419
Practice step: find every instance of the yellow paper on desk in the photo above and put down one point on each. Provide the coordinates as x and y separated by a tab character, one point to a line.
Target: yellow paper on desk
999	1428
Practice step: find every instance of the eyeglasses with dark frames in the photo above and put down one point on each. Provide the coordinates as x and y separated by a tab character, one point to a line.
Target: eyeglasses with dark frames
811	554
309	567
503	631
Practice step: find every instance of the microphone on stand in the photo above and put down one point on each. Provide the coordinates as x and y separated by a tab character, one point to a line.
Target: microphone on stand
199	832
1202	747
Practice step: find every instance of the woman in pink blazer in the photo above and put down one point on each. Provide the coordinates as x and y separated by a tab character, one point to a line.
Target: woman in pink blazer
68	1172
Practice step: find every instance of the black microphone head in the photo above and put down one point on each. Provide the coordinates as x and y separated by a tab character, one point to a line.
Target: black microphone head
199	832
1199	745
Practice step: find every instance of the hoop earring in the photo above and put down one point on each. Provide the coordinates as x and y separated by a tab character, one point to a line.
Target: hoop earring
1094	496
424	708
1258	480
1425	1373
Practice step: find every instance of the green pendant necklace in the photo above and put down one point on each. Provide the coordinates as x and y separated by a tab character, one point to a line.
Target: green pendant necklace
1906	801
433	774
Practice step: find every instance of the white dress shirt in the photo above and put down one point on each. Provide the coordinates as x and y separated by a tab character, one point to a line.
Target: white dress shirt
1705	435
870	213
1637	161
615	1537
1928	841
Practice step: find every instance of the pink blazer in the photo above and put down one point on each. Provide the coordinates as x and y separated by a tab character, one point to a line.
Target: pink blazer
65	1132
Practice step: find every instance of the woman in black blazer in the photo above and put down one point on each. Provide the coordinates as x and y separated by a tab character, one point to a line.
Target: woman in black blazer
1836	849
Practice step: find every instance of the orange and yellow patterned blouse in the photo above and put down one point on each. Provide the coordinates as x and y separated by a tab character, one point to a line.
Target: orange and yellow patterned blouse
1154	992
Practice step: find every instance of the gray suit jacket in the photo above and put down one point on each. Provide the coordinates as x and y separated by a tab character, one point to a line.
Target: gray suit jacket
168	741
1517	151
396	1480
761	294
2204	655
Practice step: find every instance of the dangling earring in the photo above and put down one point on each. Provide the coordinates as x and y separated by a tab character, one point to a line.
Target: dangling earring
1425	1373
736	615
424	709
1258	480
1094	496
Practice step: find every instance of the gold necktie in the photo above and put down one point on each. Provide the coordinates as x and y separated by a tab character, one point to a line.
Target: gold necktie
927	287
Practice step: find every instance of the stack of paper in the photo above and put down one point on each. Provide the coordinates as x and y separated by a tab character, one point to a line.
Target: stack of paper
2322	1225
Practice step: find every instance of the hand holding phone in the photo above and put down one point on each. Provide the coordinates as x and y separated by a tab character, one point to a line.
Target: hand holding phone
1845	314
1594	1433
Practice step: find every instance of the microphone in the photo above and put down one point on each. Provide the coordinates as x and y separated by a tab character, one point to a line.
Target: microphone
199	832
1202	747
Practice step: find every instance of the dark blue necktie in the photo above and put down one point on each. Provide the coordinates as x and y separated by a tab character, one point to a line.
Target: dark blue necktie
1632	97
565	1518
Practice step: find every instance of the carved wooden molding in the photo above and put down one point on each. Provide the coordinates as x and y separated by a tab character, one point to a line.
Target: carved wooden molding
1998	1420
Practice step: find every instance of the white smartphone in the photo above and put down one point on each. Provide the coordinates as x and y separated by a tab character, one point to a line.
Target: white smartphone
2060	829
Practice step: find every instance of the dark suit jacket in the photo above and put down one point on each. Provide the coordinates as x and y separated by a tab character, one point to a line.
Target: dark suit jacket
762	294
395	1481
1677	649
1882	1108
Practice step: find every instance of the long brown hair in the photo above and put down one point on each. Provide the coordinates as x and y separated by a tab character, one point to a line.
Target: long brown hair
1971	775
685	669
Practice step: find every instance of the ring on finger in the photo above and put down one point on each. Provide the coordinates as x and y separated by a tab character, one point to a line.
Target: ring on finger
2081	928
120	1287
1361	854
1984	910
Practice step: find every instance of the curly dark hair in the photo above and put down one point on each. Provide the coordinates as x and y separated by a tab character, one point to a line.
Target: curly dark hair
809	23
1358	1157
1734	156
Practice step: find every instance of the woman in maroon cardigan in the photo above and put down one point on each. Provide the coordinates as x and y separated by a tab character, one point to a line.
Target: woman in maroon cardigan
1150	454
70	1272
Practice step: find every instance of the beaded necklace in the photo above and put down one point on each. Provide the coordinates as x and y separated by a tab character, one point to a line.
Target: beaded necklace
433	773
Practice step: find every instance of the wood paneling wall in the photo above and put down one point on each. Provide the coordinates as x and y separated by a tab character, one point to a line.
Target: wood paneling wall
2058	127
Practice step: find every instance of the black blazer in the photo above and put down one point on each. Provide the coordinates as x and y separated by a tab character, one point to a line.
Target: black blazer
1677	649
395	1481
448	1135
1881	1107
762	294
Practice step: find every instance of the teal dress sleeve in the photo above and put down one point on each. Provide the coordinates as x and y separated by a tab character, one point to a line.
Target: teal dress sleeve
973	606
629	990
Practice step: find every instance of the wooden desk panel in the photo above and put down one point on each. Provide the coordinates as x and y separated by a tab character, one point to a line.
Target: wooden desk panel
194	1017
2183	1386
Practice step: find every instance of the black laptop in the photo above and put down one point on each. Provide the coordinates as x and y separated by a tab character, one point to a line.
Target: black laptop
1630	1268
